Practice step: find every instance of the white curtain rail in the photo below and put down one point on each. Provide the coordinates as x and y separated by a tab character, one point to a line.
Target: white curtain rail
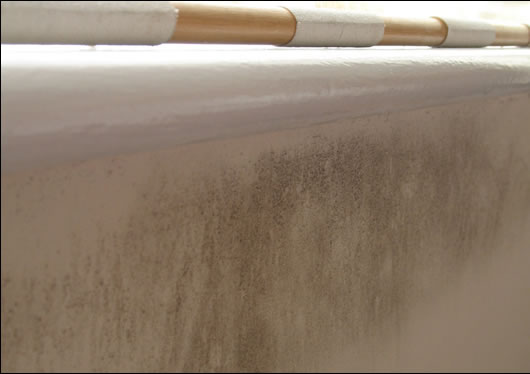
157	22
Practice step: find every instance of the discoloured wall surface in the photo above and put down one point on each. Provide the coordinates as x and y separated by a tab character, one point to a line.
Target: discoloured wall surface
270	252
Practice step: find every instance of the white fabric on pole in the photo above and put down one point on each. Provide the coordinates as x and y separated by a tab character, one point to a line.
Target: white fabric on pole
462	33
87	22
335	28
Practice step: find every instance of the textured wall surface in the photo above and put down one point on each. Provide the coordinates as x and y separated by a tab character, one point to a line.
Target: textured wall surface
89	104
360	244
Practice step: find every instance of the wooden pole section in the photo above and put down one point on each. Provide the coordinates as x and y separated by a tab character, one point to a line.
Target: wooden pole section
232	24
402	31
239	24
511	34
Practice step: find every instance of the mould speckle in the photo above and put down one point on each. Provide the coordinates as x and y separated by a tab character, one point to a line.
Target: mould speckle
268	258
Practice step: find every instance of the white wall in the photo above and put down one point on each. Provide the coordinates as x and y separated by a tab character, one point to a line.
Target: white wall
242	209
356	244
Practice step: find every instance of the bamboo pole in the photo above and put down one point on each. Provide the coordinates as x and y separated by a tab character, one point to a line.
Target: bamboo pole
220	23
91	22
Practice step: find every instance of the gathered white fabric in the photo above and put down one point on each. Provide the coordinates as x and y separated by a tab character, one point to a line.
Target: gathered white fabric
88	22
461	33
335	28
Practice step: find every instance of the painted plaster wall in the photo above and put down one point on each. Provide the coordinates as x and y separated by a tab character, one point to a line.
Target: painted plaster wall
353	245
76	105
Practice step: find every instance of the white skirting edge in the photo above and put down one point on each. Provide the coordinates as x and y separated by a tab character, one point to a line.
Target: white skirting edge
461	33
335	28
88	22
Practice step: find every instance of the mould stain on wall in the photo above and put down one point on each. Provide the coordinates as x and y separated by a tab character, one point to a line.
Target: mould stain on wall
262	253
